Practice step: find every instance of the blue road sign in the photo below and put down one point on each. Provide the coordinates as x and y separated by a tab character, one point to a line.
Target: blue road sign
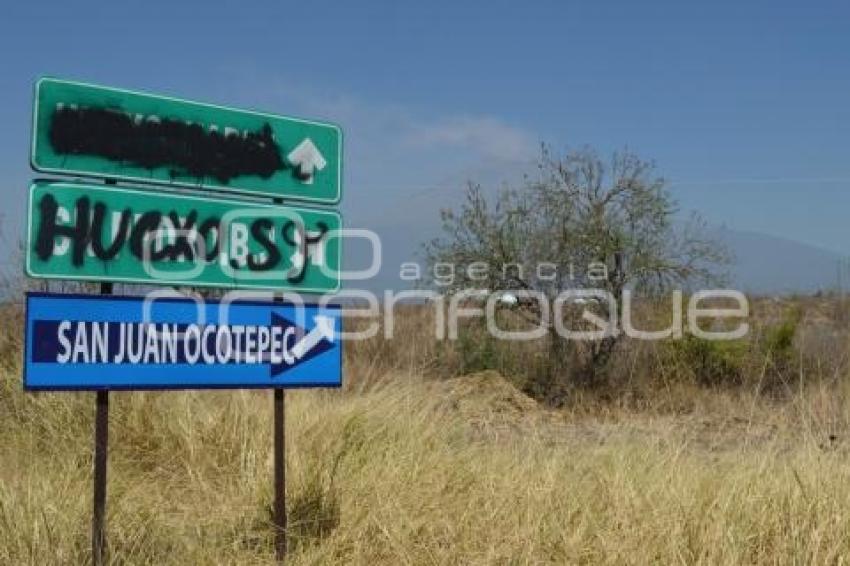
76	342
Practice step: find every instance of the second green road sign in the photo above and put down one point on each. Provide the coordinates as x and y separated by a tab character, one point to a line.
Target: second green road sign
105	233
82	129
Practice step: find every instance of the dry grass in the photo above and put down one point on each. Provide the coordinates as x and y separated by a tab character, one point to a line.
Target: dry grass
399	469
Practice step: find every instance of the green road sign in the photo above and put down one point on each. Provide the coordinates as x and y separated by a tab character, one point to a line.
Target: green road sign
81	129
105	233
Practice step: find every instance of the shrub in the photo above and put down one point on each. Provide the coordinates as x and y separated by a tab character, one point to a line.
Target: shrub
476	350
776	348
779	340
709	362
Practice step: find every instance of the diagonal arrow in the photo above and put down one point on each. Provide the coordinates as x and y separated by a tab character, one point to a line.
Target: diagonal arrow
308	159
324	330
307	344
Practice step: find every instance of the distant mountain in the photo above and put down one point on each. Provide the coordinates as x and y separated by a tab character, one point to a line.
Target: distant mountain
770	264
763	264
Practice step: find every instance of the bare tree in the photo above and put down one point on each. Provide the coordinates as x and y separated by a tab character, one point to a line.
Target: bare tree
592	224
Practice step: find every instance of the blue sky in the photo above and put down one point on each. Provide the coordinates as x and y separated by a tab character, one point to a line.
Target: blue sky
745	106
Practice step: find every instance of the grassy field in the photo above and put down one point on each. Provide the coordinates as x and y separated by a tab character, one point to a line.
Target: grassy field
407	466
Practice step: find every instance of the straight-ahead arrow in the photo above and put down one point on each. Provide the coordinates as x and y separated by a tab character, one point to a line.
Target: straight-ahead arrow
308	159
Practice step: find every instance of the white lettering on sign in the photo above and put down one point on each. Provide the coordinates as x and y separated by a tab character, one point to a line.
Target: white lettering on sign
164	343
238	244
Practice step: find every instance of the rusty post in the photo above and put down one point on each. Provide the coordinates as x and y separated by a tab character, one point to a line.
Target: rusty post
101	448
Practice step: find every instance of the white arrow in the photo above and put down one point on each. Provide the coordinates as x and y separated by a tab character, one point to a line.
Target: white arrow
308	159
324	329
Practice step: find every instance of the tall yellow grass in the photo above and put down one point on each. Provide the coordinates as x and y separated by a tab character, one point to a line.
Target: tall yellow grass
417	473
405	470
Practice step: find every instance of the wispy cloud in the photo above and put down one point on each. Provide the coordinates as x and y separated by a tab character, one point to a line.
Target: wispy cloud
402	163
487	135
383	129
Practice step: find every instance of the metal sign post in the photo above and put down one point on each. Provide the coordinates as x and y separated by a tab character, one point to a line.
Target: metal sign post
101	448
212	238
279	465
280	474
101	454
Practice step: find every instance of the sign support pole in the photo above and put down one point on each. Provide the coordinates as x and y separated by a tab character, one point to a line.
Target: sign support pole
101	448
280	474
280	542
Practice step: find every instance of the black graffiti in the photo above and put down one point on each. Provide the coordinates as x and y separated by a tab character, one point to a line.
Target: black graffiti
146	226
260	230
206	228
97	232
188	150
182	247
79	233
190	239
